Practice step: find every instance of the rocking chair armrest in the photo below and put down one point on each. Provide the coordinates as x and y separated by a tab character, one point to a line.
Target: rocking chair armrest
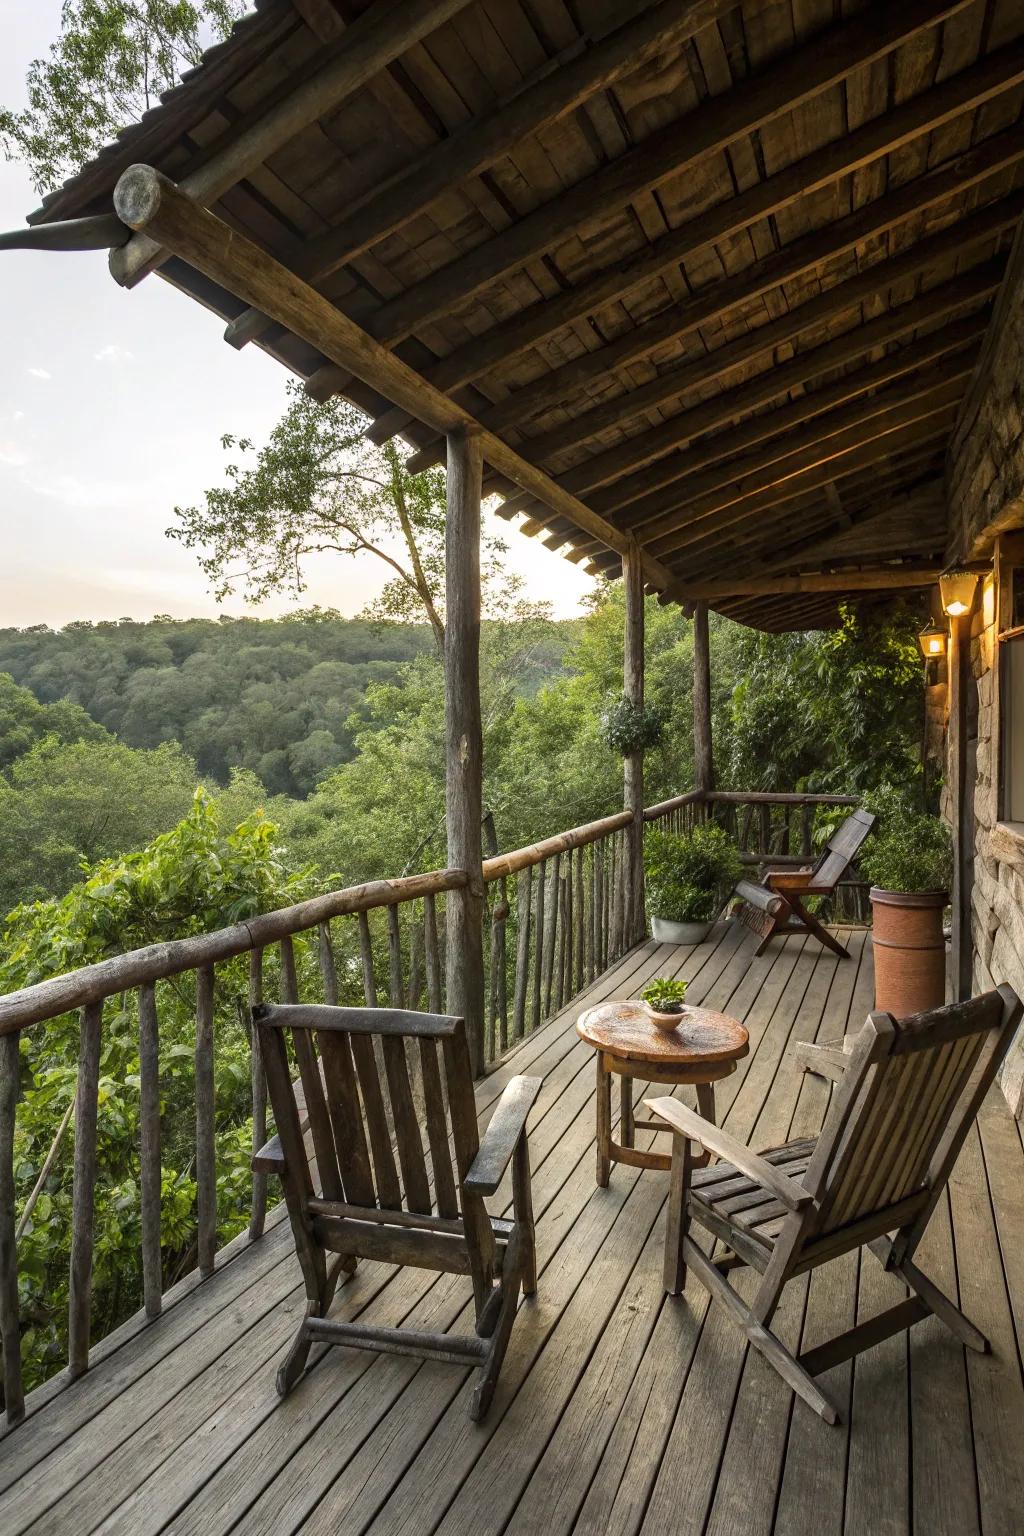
269	1158
783	880
686	1122
761	897
506	1126
826	1059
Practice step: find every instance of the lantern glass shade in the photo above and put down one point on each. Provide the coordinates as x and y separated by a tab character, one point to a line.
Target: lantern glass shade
932	641
957	590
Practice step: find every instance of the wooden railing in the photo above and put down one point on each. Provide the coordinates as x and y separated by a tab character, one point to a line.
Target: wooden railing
556	921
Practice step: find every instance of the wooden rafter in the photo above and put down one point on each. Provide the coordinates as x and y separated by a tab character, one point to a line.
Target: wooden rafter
482	141
882	135
881	578
829	58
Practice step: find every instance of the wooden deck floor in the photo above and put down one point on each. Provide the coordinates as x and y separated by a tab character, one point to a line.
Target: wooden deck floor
619	1411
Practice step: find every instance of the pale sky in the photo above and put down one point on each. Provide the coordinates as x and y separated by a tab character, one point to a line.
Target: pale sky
112	405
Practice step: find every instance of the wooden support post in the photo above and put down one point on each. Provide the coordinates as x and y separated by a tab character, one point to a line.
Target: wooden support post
463	737
703	770
961	790
633	774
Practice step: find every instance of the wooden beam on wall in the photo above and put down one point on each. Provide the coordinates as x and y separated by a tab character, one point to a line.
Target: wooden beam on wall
147	200
827	59
482	141
373	40
997	72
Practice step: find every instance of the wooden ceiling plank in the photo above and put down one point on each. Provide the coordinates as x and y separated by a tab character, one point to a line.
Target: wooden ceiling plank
821	63
554	94
372	42
803	256
843	297
145	200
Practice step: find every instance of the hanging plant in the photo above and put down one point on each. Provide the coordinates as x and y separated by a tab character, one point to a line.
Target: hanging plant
629	727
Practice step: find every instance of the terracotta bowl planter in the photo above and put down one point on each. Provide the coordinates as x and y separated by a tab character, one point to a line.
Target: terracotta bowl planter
910	950
666	1021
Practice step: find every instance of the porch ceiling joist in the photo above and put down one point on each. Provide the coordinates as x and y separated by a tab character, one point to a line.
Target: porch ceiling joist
714	304
838	52
381	34
473	148
883	135
147	201
881	578
822	307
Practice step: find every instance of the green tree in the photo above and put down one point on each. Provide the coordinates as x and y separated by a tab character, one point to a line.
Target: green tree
319	485
24	722
112	62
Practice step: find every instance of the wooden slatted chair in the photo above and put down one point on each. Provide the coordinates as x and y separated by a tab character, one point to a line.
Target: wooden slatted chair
906	1096
777	902
350	1196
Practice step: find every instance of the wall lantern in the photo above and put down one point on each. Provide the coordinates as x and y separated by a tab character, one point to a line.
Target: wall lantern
957	588
932	641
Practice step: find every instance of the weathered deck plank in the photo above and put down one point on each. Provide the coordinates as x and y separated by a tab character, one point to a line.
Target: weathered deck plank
619	1410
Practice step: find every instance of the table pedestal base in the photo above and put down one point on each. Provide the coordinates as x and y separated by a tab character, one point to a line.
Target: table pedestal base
609	1151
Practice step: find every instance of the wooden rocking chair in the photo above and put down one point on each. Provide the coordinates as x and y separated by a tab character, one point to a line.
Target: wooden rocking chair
349	1198
907	1094
777	902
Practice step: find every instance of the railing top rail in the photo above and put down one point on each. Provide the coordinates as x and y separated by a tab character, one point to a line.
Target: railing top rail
562	842
665	807
769	797
155	962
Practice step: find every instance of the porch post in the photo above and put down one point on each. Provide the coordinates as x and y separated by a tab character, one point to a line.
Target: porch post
960	786
703	770
463	738
633	772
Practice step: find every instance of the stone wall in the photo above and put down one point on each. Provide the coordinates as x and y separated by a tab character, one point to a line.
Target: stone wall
997	895
985	462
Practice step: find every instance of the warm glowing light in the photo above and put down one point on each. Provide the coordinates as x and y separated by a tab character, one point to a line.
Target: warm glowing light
957	589
932	641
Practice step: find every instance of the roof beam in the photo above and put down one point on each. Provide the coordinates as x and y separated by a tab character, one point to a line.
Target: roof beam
932	421
828	58
146	200
879	579
789	454
714	303
977	227
992	75
98	232
482	141
730	407
373	41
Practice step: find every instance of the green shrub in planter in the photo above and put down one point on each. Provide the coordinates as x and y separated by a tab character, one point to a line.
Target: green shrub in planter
628	727
910	852
689	875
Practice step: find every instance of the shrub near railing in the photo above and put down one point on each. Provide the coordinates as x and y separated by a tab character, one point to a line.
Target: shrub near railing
556	921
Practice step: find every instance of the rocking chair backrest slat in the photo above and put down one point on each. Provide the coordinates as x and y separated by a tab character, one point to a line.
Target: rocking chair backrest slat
915	1091
841	849
373	1103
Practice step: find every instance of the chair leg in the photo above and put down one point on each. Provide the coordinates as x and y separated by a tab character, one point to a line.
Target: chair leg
294	1362
935	1300
508	1292
764	1341
821	933
677	1220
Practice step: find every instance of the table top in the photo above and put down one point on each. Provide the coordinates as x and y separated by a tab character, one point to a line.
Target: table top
624	1030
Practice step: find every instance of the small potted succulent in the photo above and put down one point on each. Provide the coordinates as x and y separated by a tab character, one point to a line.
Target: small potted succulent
688	877
909	864
665	999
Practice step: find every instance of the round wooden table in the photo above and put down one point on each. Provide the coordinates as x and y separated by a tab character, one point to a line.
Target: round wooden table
705	1047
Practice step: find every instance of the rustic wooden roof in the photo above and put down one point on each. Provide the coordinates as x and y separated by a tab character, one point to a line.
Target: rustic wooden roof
722	271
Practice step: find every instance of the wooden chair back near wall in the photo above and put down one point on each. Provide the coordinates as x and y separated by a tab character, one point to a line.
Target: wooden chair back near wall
900	1117
840	851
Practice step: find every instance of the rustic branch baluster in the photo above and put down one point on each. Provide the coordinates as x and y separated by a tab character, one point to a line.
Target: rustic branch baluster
431	951
10	1327
258	1210
86	1105
366	957
524	901
206	1148
539	931
396	989
149	1149
550	932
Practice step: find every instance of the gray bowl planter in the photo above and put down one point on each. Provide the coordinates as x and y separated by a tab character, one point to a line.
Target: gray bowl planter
667	932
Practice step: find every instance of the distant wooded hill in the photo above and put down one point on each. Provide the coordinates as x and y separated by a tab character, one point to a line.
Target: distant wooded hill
281	697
